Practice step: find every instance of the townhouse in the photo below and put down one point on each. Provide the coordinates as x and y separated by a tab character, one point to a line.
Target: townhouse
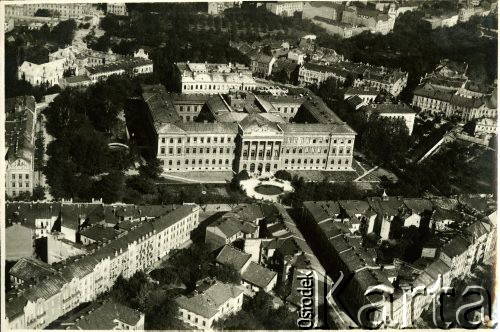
82	279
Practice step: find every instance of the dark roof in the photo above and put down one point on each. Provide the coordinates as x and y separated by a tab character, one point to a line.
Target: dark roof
456	247
258	275
104	316
390	206
418	205
28	268
233	257
388	108
125	64
322	210
208	303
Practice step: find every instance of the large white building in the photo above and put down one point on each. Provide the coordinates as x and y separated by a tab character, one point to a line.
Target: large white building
257	133
119	8
285	8
212	78
64	10
46	73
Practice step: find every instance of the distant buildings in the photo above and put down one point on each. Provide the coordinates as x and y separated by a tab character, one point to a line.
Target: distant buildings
82	279
381	78
217	8
209	304
213	78
283	8
258	133
132	66
486	126
86	64
262	64
448	91
20	124
346	20
119	9
63	10
376	21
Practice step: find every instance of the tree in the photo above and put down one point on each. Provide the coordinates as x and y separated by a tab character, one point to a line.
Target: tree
152	170
39	154
235	181
43	13
38	193
283	175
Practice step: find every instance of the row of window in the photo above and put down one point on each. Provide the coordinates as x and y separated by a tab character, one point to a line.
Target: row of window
20	176
20	184
260	153
311	161
194	150
217	87
195	108
195	140
309	140
193	162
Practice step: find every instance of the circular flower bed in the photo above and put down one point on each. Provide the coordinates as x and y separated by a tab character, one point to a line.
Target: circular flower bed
268	189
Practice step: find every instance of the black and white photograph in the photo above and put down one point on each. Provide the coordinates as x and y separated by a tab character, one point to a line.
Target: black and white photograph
249	165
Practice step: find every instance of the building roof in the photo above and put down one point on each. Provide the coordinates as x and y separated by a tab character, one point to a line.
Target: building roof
124	64
418	205
26	213
104	317
208	303
456	247
436	268
362	91
389	109
19	128
28	268
322	210
258	275
231	256
386	206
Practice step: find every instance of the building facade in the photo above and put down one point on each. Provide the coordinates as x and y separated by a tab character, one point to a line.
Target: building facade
254	133
20	143
212	78
64	10
282	8
117	9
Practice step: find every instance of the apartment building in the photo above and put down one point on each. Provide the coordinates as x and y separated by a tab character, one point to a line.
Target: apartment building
469	244
63	10
82	279
20	125
364	75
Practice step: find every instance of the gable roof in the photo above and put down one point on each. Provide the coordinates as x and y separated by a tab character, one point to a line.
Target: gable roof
258	275
233	257
208	303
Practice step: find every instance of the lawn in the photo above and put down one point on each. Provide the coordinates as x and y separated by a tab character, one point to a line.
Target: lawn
268	189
